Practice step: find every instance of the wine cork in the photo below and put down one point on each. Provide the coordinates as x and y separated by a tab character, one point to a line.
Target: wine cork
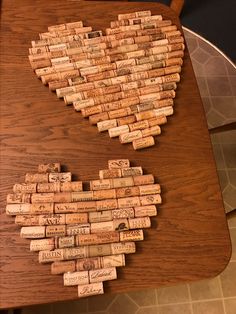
118	163
99	117
123	248
59	177
143	142
113	132
150	199
99	250
82	196
127	191
76	278
149	189
42	244
153	131
165	110
36	177
16	209
48	187
126	120
105	226
75	207
138	125
128	202
144	211
24	187
55	231
88	263
106	125
75	252
104	194
131	235
144	179
159	120
76	218
75	186
104	274
109	173
130	136
64	242
62	267
42	197
122	182
103	184
86	112
43	209
132	171
27	220
80	104
33	232
50	256
163	103
57	84
120	224
77	229
19	198
139	223
98	238
90	289
117	260
123	213
106	204
105	215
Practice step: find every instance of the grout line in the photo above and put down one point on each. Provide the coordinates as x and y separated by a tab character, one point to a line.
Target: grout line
127	295
221	292
190	298
157	303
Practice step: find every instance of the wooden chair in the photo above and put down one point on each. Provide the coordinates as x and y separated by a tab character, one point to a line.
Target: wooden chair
176	5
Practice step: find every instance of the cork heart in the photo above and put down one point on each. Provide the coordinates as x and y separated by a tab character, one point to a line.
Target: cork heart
123	81
85	234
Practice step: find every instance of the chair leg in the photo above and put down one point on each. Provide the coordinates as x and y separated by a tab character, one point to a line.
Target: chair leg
177	6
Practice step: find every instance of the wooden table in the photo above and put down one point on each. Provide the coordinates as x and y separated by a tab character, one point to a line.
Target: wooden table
189	239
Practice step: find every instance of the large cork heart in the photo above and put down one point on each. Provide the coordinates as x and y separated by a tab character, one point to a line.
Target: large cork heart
124	81
85	234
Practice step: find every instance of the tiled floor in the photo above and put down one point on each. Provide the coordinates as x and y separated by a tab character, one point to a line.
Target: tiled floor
217	79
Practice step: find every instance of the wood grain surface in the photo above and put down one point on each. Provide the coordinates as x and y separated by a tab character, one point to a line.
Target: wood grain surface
189	238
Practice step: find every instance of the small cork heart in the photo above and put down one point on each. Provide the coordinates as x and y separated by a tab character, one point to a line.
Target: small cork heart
85	234
123	81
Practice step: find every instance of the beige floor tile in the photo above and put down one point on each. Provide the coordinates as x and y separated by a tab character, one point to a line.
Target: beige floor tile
228	280
230	306
219	86
232	80
72	307
206	289
231	70
232	222
229	151
206	104
222	174
214	119
192	44
226	106
233	241
148	310
227	137
208	48
232	176
100	302
123	304
200	56
37	309
208	307
198	68
220	164
144	298
215	66
175	309
202	85
229	195
177	294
